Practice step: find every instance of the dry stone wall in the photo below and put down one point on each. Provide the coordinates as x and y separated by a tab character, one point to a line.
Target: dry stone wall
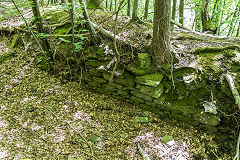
151	91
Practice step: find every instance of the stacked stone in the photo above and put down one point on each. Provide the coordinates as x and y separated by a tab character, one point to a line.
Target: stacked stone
146	90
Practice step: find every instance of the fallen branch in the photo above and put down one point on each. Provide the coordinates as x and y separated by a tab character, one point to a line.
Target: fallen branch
84	139
106	32
179	25
237	101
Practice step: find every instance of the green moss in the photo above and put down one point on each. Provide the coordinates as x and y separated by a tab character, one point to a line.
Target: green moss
150	80
62	29
136	70
94	63
181	72
6	56
214	49
127	80
187	36
54	17
15	41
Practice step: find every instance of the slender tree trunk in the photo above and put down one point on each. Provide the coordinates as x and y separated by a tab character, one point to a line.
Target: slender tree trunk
135	11
146	9
174	11
231	28
181	11
72	18
161	32
115	7
128	7
38	21
206	21
238	30
111	5
89	23
106	3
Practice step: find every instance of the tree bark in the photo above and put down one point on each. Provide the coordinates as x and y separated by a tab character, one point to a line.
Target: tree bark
205	18
238	30
146	9
231	28
38	21
181	12
174	11
128	7
135	11
111	5
161	32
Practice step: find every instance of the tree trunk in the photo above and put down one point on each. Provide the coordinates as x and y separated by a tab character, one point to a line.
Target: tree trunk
146	9
135	11
106	4
181	11
89	23
72	18
206	20
115	5
38	21
161	32
111	5
238	30
231	28
128	7
174	11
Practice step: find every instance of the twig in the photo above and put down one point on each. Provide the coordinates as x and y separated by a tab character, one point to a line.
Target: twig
92	153
115	43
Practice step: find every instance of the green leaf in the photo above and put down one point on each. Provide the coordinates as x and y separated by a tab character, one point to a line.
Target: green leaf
143	119
167	139
94	138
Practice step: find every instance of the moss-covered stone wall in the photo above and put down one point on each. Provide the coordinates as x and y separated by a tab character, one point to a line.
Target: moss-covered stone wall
189	101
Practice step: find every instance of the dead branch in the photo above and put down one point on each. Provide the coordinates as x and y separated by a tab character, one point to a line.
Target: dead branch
179	25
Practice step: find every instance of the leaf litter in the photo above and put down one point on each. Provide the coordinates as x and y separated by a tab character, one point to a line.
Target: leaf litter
41	118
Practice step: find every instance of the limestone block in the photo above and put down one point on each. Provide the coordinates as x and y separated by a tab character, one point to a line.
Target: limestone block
144	60
208	119
154	92
141	95
98	79
136	100
150	80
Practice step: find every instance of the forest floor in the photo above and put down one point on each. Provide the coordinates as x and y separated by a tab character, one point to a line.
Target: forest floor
41	118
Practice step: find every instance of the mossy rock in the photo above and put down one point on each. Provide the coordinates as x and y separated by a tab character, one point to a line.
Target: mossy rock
99	79
144	60
136	70
55	17
152	109
126	79
150	80
154	92
62	30
183	118
214	49
136	100
141	95
208	128
94	63
207	118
